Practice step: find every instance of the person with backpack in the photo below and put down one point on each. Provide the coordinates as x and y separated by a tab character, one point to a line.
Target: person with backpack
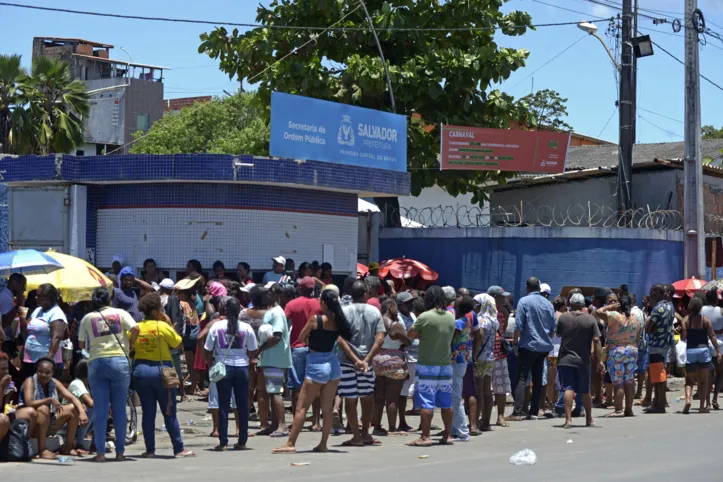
172	306
11	417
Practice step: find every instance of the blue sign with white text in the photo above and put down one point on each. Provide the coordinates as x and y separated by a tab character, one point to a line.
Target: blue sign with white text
318	130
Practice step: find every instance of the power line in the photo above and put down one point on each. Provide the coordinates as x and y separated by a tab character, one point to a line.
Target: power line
658	127
683	64
549	61
661	115
280	27
569	9
608	122
616	7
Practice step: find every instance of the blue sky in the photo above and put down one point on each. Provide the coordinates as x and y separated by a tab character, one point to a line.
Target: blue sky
583	74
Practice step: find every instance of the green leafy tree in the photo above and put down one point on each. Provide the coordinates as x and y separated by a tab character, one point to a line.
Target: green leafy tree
438	76
710	132
57	106
548	109
233	125
12	114
40	113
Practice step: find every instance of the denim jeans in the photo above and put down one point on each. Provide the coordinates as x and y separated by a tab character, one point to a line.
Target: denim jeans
109	380
148	383
529	361
236	381
459	419
83	431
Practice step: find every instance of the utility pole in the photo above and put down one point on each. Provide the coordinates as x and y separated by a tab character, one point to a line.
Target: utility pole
635	76
627	113
693	209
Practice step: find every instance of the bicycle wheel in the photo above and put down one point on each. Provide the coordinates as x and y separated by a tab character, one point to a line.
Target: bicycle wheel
132	417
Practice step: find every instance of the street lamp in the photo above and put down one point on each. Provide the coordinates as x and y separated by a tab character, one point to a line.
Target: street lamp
642	46
127	53
591	29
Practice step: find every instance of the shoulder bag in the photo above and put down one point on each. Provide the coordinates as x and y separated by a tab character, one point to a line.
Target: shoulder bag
218	370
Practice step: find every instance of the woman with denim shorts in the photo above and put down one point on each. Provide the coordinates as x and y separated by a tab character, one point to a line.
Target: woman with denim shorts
697	331
323	371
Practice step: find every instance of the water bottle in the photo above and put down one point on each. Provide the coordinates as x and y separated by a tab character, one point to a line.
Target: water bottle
65	459
190	422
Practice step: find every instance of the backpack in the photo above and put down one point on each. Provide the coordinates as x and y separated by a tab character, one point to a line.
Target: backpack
16	446
175	313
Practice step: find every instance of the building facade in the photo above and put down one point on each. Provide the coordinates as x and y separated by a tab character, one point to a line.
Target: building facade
125	97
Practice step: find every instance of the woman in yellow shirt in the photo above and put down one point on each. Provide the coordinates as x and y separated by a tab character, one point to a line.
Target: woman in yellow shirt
152	352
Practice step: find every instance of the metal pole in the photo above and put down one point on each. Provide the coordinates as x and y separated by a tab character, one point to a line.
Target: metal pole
635	76
627	119
693	209
381	55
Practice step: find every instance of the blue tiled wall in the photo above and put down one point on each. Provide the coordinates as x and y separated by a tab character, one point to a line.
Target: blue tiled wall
206	167
4	222
478	263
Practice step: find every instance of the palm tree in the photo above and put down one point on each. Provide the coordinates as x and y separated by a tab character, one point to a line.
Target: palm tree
57	105
12	113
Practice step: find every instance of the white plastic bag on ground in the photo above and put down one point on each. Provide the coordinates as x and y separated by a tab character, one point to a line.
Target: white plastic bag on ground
680	352
524	457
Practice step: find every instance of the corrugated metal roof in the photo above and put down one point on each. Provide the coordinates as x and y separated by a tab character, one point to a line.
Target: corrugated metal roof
590	157
78	40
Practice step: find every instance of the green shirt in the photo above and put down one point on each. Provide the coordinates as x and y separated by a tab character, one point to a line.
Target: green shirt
435	329
279	355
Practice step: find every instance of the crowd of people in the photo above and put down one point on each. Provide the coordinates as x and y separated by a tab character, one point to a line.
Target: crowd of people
347	354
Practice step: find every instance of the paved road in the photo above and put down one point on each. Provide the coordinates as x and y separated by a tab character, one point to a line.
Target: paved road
646	447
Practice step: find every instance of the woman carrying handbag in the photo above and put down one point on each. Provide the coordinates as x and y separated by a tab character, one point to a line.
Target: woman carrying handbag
110	334
155	378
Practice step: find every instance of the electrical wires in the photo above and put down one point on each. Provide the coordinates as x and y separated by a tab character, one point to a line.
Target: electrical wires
683	64
279	27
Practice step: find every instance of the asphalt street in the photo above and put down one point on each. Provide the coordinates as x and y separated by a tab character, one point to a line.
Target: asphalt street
646	447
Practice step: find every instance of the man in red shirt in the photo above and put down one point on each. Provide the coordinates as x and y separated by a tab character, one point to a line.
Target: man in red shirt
298	312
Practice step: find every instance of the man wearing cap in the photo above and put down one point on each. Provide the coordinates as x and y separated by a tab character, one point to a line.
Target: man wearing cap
172	306
405	303
579	333
534	326
545	290
299	312
127	299
277	274
450	295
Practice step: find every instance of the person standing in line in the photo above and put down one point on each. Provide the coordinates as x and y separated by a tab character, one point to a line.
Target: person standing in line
111	335
150	274
355	356
485	361
599	299
278	271
299	311
323	370
125	297
273	363
535	324
697	331
501	376
390	370
12	301
405	304
45	329
233	343
243	273
623	336
579	335
714	313
560	305
461	354
153	347
435	329
660	328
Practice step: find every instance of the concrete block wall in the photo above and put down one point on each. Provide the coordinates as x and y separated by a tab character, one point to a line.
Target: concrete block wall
479	257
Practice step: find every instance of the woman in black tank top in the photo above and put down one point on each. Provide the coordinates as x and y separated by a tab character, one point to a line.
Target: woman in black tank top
323	371
697	331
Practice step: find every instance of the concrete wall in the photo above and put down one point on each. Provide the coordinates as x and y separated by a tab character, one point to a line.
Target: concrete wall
142	97
479	257
654	189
